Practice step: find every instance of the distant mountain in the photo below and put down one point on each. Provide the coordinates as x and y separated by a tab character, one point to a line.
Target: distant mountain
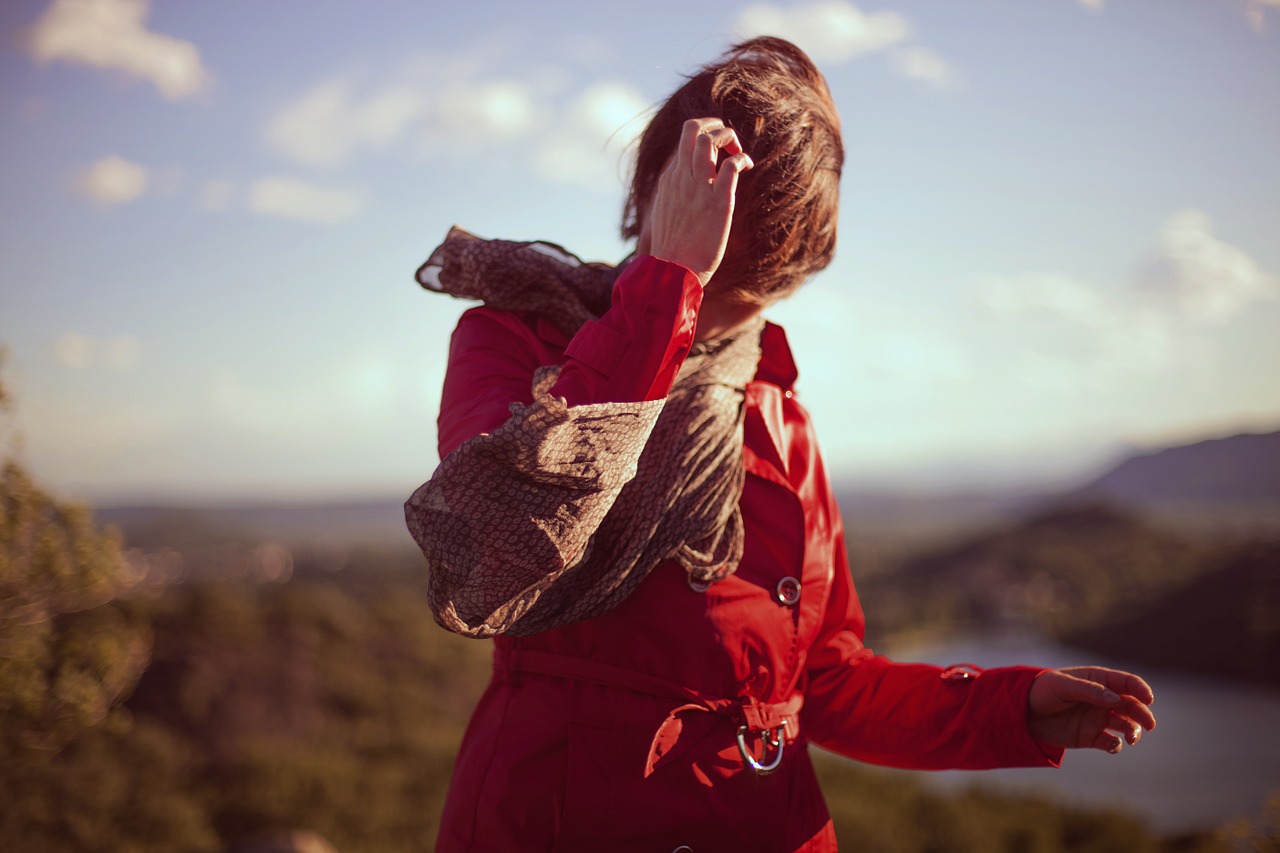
267	542
1063	569
1210	486
1240	470
1110	578
362	522
1226	622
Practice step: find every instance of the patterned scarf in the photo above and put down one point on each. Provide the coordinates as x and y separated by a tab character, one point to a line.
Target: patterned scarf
560	513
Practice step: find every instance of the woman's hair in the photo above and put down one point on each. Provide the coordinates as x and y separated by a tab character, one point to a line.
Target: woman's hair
784	220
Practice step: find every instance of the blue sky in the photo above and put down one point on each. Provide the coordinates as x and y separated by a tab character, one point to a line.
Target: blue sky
1060	226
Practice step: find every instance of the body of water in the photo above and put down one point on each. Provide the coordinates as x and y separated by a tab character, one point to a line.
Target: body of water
1214	756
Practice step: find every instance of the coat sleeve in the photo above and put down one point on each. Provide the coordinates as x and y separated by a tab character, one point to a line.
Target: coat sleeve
535	454
910	715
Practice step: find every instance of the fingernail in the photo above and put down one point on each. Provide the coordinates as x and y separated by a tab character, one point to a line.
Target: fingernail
1110	696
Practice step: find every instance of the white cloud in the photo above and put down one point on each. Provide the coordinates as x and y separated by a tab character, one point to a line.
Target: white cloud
331	122
607	107
79	351
501	108
447	104
1208	280
1192	282
1256	13
456	105
73	350
1054	319
290	198
113	180
1190	275
828	30
920	63
216	194
112	34
462	108
586	147
1050	292
836	31
122	352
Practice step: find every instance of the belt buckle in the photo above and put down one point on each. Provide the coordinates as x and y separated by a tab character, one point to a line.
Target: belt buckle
775	739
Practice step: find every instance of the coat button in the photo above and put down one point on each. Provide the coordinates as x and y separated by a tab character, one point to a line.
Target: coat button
961	672
788	591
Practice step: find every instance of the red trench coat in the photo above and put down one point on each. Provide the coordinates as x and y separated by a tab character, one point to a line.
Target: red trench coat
621	732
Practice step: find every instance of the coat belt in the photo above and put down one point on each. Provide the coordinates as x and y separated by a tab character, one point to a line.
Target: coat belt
760	718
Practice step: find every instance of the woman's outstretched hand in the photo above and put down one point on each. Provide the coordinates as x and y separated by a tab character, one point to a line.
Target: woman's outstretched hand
693	205
1089	707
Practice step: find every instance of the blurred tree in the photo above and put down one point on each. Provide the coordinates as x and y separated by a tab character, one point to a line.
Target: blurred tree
67	655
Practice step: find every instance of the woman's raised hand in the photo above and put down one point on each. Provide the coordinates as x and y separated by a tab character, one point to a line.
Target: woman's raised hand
693	205
1089	707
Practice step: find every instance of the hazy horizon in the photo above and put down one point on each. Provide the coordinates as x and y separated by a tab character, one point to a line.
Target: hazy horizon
1010	477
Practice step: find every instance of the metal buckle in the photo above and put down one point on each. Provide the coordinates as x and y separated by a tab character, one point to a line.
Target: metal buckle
775	739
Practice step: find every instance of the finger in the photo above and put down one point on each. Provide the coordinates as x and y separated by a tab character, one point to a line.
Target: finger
690	136
700	141
704	158
1126	728
1128	684
727	179
1136	711
708	146
725	139
1125	683
1108	742
1070	688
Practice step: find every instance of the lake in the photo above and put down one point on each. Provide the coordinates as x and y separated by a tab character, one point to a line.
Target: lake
1214	756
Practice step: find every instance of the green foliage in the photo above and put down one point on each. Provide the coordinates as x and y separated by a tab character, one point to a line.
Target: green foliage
332	703
1103	579
1066	569
1234	606
1244	836
319	705
879	812
125	786
67	654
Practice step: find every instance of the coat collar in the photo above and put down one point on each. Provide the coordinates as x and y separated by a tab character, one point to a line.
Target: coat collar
766	428
777	365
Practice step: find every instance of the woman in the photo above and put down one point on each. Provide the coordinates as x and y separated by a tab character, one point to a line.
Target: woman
631	501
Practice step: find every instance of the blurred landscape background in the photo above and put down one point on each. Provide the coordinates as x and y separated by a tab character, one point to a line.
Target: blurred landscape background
1042	368
237	677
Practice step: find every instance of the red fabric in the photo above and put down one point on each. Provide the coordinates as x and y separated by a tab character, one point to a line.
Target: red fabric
588	749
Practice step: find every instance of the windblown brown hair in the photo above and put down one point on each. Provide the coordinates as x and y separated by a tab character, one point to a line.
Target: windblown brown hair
784	221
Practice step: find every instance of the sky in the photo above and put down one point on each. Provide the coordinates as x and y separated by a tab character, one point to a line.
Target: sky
1059	225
